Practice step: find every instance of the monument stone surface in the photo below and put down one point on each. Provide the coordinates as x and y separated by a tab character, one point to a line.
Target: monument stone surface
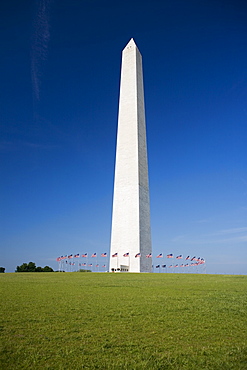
130	233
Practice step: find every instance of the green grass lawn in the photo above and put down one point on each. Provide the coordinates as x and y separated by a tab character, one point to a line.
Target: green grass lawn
123	321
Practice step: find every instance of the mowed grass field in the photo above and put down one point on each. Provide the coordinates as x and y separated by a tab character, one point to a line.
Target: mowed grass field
123	321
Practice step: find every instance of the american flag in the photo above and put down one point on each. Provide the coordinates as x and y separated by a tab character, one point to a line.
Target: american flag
182	265
90	264
163	266
193	258
103	254
84	255
160	255
126	254
170	266
84	264
138	255
114	255
157	266
187	258
70	256
176	266
179	257
58	259
170	255
94	255
77	255
104	266
149	255
97	265
186	265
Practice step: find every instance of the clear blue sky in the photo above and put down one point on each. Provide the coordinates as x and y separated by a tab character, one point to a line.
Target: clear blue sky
60	69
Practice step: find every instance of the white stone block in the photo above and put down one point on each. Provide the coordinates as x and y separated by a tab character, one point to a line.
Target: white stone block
131	210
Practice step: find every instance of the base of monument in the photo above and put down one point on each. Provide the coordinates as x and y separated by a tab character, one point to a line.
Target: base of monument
122	268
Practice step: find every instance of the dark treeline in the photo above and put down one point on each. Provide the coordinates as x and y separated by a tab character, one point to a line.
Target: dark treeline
31	267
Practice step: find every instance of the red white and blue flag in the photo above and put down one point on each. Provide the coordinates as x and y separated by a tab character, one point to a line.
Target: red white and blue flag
84	255
94	255
103	254
77	255
149	255
126	254
179	257
157	266
70	256
114	255
159	255
187	258
170	255
138	255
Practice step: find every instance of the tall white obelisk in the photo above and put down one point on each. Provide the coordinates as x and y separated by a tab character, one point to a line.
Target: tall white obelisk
130	234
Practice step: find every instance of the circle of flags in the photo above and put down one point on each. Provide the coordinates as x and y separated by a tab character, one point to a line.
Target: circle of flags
71	262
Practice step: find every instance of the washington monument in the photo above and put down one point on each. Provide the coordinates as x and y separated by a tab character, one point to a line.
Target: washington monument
131	248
